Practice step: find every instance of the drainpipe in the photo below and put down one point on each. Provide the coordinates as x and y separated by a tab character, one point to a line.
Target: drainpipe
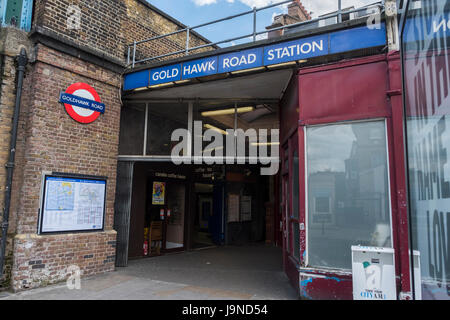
22	61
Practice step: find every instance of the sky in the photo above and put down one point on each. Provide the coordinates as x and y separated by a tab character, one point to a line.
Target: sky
195	12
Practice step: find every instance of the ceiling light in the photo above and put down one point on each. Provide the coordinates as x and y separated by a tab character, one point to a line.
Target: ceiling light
256	144
140	89
248	70
213	149
286	64
181	81
227	111
209	126
161	85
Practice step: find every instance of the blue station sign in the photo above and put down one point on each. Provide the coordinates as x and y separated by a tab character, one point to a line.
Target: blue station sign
300	49
81	102
199	68
236	61
296	50
165	74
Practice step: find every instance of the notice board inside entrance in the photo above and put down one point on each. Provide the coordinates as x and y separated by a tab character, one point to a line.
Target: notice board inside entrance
72	203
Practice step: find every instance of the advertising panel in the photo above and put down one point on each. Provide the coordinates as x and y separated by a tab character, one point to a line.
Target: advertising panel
373	273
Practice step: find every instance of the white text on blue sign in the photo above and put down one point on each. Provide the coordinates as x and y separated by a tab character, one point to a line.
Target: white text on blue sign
200	68
82	102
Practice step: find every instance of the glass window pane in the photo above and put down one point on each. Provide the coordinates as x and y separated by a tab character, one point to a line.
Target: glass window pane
132	123
163	120
426	54
215	124
348	191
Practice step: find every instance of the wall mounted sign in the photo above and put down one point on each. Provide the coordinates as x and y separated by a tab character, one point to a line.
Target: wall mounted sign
373	273
288	51
158	193
233	207
246	208
82	103
72	203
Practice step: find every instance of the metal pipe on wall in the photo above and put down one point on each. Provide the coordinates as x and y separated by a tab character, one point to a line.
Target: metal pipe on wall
22	61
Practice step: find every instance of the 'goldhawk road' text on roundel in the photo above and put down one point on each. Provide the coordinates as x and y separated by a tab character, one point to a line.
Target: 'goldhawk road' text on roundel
82	103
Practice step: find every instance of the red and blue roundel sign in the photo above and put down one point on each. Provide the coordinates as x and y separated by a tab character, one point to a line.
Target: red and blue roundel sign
82	103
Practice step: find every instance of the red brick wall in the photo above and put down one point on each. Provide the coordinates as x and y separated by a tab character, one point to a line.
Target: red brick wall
49	140
151	24
101	23
108	26
43	260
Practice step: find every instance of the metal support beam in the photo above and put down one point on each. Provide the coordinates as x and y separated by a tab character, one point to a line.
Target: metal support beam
144	151
190	128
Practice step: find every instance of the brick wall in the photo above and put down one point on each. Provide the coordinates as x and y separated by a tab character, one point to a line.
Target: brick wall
7	102
101	23
11	41
108	26
153	25
44	260
49	140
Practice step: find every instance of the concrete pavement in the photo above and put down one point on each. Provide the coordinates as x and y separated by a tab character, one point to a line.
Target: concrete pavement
231	273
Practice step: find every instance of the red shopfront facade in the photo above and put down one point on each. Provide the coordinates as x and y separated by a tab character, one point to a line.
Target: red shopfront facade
343	172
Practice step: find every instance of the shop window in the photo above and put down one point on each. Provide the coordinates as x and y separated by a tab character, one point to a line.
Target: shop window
426	59
322	204
348	193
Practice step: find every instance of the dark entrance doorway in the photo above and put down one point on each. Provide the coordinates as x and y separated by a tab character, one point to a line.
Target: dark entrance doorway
164	226
178	208
203	216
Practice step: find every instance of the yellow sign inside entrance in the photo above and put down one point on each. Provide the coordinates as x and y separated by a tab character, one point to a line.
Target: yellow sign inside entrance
159	190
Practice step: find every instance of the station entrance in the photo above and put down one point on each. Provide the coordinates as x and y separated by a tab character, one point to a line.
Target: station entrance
194	207
331	98
164	207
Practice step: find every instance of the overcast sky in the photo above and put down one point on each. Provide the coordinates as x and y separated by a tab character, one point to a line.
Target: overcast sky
194	12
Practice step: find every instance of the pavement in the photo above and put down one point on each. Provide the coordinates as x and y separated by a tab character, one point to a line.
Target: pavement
252	272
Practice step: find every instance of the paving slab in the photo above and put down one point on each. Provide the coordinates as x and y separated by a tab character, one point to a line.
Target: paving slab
252	272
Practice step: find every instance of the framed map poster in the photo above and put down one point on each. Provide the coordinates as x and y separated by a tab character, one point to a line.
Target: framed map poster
72	203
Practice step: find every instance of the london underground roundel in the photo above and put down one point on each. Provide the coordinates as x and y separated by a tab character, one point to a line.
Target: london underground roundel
82	103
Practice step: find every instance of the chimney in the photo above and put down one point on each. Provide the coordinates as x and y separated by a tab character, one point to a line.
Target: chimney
296	13
296	10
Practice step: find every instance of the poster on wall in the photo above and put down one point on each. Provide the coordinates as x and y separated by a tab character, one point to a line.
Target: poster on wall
233	208
158	193
373	272
72	204
246	208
